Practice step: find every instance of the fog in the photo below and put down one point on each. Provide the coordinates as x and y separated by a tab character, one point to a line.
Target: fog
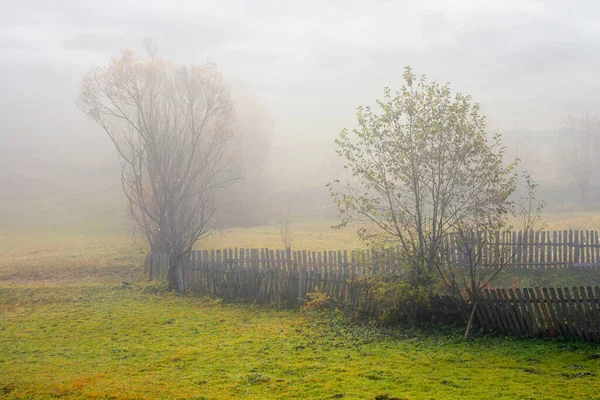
298	71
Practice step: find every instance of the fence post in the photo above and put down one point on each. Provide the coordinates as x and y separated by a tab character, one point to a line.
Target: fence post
181	276
254	275
300	284
374	262
576	255
149	265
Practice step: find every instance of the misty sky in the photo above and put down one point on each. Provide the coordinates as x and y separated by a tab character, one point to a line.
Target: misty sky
529	63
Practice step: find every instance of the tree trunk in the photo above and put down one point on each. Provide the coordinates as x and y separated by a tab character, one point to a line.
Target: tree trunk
470	323
175	277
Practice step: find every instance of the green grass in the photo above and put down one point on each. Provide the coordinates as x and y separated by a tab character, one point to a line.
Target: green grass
115	341
70	329
547	277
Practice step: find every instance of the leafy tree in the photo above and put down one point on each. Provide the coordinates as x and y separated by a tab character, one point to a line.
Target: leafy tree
424	174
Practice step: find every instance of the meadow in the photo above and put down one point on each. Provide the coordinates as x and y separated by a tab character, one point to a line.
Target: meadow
77	320
125	341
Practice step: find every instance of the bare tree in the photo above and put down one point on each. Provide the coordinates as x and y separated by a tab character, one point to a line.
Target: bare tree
579	152
172	128
286	228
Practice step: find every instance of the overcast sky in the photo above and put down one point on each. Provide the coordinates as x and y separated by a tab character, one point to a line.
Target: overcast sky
529	63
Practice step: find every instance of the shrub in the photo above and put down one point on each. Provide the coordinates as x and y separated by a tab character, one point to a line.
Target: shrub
316	300
391	299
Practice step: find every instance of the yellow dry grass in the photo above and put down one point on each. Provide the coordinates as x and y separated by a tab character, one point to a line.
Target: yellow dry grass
308	235
92	254
47	257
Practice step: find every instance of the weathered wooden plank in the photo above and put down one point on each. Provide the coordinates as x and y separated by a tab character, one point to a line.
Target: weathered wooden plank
543	247
568	248
483	316
560	252
554	310
587	313
572	311
483	244
336	276
345	277
570	329
313	273
497	313
274	285
530	246
194	272
511	311
224	287
572	249
519	248
277	279
587	248
577	258
526	311
555	247
513	249
580	314
561	320
597	247
543	306
595	308
301	276
505	312
497	248
518	312
536	247
533	312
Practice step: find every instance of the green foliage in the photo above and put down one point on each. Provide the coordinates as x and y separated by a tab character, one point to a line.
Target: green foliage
316	300
394	299
424	161
155	287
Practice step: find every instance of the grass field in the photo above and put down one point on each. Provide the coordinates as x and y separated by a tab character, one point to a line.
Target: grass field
69	328
115	341
318	235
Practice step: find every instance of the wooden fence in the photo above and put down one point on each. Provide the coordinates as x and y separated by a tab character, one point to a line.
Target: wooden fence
520	250
530	249
542	312
269	277
280	276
